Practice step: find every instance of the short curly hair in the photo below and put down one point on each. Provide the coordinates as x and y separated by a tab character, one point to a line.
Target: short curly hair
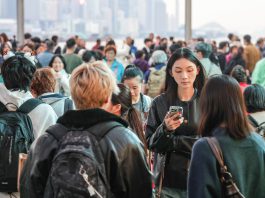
92	84
43	81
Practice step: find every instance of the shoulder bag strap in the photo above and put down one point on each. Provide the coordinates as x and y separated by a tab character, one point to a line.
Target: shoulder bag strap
161	178
216	149
231	189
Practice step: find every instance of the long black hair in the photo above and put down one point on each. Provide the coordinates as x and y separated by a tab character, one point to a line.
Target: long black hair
171	85
128	112
222	102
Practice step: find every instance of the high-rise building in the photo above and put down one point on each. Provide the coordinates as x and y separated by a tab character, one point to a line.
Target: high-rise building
32	14
173	18
49	10
114	18
8	9
160	18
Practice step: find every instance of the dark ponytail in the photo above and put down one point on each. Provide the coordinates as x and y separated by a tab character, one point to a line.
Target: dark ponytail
133	118
128	112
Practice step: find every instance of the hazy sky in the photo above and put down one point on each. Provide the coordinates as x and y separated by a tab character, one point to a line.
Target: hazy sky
242	16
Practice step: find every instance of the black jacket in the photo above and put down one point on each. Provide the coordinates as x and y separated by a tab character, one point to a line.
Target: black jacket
177	145
238	60
124	156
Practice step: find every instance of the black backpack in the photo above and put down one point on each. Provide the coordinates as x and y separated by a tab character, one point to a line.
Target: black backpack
78	168
16	136
260	127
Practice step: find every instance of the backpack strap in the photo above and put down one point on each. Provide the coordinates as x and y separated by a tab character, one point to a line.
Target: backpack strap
253	120
101	129
68	104
3	108
29	105
57	131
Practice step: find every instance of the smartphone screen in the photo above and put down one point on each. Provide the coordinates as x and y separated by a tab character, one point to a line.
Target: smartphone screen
176	110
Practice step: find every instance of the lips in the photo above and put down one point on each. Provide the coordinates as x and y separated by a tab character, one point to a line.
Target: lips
185	83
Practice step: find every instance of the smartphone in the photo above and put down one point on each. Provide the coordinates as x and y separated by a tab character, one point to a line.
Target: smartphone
176	109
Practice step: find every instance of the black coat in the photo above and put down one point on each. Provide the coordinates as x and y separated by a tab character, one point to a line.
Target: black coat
126	168
176	145
238	60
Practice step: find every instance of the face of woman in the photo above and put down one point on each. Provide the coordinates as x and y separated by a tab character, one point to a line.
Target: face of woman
26	49
135	87
110	55
57	64
184	73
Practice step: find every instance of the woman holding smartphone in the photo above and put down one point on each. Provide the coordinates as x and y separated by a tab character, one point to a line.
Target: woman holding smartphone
170	135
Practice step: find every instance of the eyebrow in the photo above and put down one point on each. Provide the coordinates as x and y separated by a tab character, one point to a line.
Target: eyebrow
178	67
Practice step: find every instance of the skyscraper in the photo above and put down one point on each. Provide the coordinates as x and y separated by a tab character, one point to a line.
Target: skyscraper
173	18
8	9
160	18
32	14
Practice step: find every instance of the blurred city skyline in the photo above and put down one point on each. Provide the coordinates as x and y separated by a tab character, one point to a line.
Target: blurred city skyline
137	18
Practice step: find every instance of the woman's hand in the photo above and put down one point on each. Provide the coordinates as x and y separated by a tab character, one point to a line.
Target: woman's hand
173	121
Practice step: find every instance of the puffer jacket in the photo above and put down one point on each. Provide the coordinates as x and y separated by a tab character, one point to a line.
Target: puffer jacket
177	145
124	157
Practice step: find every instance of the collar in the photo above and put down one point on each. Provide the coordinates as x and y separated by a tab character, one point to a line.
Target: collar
88	118
51	95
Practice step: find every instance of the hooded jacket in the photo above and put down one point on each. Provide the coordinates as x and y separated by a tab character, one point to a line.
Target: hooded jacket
14	99
57	102
175	147
123	153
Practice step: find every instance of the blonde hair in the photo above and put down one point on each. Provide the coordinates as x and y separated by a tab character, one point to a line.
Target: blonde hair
92	84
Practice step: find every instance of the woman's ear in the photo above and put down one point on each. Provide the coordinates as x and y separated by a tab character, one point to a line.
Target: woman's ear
198	70
170	72
116	109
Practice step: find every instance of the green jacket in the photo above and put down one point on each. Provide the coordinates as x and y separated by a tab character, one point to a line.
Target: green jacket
245	160
1	79
258	75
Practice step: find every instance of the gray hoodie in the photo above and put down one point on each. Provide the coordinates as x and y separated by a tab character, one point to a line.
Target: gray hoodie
58	102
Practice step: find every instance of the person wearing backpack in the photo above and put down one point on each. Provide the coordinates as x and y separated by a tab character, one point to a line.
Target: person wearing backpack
254	96
43	87
22	118
223	118
156	75
89	152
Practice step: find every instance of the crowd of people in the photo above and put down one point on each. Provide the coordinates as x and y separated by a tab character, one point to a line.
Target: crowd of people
118	121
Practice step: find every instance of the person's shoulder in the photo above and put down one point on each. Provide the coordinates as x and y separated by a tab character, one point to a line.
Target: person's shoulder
122	135
201	142
147	98
201	148
44	110
160	98
260	63
258	140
